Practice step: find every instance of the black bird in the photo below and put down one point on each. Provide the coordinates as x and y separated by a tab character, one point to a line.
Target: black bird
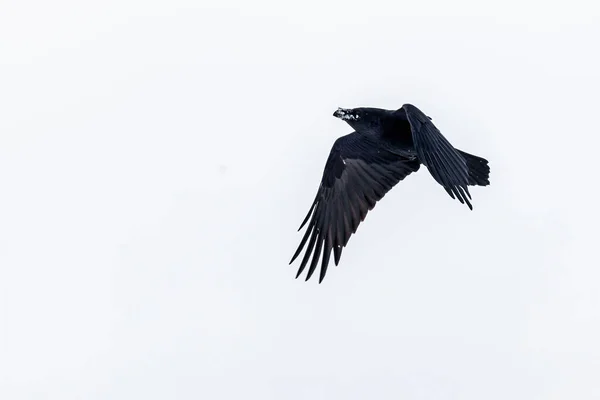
385	147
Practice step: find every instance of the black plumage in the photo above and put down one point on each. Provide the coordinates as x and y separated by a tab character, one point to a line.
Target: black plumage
385	147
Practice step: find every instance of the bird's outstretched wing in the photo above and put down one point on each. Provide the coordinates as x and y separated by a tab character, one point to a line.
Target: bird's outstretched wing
358	173
443	161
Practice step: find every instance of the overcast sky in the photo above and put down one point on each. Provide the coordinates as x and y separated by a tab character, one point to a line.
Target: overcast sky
156	159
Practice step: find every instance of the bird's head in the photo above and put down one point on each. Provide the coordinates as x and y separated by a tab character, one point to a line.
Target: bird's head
361	119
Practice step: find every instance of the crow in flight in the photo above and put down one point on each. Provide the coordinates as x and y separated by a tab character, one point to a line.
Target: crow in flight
385	147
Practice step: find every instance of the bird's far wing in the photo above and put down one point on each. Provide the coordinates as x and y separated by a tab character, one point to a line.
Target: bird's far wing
358	173
442	160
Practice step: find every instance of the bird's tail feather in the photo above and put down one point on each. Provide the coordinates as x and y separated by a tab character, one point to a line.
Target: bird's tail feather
479	170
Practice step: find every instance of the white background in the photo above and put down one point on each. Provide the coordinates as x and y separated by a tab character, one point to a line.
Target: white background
156	159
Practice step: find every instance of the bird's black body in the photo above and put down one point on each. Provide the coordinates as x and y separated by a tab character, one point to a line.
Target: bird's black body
364	165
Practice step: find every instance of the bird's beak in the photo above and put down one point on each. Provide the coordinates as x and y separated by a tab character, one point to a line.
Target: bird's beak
341	113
